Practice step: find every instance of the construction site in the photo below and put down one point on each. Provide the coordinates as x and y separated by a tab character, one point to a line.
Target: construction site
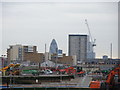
14	76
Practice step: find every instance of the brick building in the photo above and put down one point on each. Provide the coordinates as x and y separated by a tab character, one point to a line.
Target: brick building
69	60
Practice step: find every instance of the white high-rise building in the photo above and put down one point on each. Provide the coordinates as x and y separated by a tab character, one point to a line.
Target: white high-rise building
80	46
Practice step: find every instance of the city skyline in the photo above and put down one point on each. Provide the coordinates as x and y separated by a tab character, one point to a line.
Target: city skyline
39	23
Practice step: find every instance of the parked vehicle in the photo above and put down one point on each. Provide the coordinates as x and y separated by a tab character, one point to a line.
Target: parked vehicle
48	71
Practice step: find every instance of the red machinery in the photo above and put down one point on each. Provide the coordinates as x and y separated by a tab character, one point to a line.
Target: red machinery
112	82
68	70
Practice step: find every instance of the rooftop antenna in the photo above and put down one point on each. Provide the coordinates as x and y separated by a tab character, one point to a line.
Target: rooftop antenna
45	56
111	50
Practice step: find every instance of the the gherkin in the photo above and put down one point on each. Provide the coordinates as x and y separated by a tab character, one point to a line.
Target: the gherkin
53	47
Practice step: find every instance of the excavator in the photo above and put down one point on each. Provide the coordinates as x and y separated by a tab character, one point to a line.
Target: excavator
112	81
7	69
67	70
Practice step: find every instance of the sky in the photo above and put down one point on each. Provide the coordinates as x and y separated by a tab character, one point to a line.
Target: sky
37	23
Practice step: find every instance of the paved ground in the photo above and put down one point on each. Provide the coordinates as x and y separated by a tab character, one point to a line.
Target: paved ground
82	82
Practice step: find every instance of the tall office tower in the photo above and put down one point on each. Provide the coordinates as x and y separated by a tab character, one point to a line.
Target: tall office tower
53	47
78	46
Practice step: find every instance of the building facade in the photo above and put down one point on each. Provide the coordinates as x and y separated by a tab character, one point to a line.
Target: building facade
15	53
67	60
60	53
78	47
90	51
3	62
81	46
19	53
53	47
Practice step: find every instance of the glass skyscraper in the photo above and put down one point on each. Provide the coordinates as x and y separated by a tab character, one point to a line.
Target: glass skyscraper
53	47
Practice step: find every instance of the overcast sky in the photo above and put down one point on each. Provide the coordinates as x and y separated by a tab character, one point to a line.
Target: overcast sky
38	23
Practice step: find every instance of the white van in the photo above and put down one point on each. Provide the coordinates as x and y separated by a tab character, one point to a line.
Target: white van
48	71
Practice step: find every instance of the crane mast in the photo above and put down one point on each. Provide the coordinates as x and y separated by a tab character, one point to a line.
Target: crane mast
93	42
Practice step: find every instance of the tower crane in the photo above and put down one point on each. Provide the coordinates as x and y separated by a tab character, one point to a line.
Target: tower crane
93	42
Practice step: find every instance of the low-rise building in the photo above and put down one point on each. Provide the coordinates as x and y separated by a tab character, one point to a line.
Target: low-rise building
3	62
34	57
20	53
101	64
69	60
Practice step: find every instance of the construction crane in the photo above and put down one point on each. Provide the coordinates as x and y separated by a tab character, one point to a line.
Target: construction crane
6	69
93	42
